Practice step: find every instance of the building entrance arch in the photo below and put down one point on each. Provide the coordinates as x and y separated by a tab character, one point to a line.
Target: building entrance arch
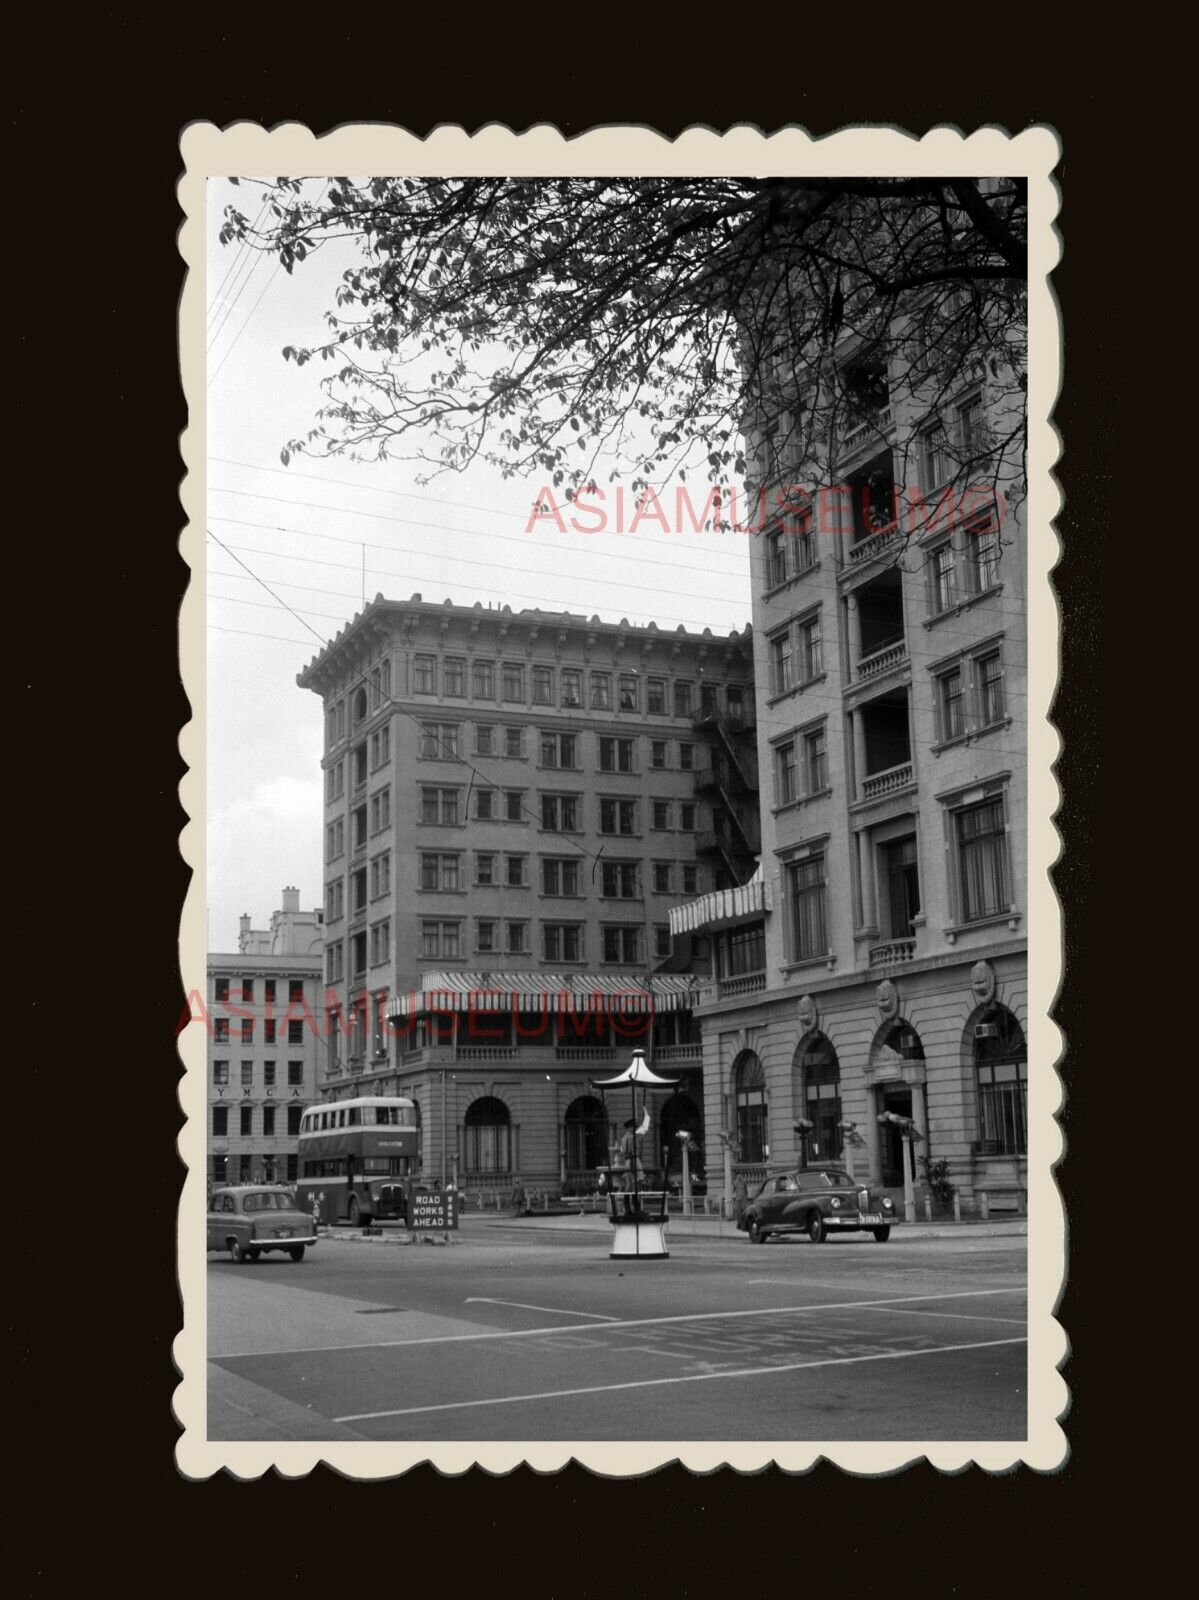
895	1076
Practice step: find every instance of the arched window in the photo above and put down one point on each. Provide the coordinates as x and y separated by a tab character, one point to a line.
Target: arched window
753	1131
820	1074
358	705
586	1135
1001	1076
488	1136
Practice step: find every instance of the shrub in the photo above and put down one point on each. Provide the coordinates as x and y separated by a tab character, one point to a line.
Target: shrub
936	1175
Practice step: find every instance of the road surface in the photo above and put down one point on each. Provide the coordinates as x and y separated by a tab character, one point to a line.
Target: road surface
520	1331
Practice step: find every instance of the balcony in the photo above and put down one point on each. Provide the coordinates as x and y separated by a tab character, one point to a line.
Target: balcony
746	983
888	782
865	432
880	661
584	1052
485	1052
885	542
892	954
679	1052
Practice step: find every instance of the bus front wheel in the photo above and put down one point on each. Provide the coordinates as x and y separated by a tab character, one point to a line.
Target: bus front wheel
352	1212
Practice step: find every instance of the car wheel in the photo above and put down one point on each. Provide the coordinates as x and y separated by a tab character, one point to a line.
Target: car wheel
817	1232
236	1254
252	1255
757	1233
352	1212
882	1234
296	1252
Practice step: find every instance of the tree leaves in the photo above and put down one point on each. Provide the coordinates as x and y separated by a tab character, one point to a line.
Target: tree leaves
653	318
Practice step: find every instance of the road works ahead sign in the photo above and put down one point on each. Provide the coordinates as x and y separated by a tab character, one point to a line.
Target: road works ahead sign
432	1208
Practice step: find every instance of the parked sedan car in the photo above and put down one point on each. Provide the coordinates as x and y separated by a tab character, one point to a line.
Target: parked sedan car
817	1202
251	1218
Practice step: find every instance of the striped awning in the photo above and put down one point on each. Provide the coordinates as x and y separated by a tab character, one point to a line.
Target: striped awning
723	906
551	992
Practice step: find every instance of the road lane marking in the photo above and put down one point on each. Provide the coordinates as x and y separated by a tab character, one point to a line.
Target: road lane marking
658	1383
554	1311
953	1316
631	1322
648	1350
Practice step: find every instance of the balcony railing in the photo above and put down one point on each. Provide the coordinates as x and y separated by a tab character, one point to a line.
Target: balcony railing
586	1052
892	954
876	544
889	782
485	1052
882	660
747	983
866	432
679	1052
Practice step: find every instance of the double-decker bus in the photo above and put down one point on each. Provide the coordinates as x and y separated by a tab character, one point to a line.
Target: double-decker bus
353	1156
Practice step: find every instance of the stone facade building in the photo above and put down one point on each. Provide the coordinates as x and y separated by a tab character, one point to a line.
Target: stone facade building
264	1044
514	801
876	968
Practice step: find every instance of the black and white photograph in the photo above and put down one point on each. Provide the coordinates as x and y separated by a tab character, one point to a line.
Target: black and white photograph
620	948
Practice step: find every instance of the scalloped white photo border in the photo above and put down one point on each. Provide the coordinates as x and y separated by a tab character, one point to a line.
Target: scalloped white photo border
293	150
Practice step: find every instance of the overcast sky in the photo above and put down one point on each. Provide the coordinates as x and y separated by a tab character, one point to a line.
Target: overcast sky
306	531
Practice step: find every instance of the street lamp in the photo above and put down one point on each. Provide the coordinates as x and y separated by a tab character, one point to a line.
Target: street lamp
684	1139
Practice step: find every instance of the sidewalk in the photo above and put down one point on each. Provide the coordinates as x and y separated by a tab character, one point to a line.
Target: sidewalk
715	1228
710	1229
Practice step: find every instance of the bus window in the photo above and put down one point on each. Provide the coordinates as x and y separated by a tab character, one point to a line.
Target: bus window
355	1117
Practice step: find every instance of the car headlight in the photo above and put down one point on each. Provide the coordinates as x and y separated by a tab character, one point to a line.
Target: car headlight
836	1204
888	1205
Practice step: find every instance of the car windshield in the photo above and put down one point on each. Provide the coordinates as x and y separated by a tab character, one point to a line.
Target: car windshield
269	1200
838	1180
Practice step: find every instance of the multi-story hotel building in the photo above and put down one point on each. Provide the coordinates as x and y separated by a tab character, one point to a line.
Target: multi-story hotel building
876	967
514	800
264	1009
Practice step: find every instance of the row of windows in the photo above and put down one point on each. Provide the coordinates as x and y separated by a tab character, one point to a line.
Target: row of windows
443	741
980	881
969	699
246	1117
242	990
366	820
247	1026
371	946
568	687
444	872
557	813
619	944
970	695
954	573
801	767
295	1074
1001	1087
255	1169
367	883
796	654
360	765
364	700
